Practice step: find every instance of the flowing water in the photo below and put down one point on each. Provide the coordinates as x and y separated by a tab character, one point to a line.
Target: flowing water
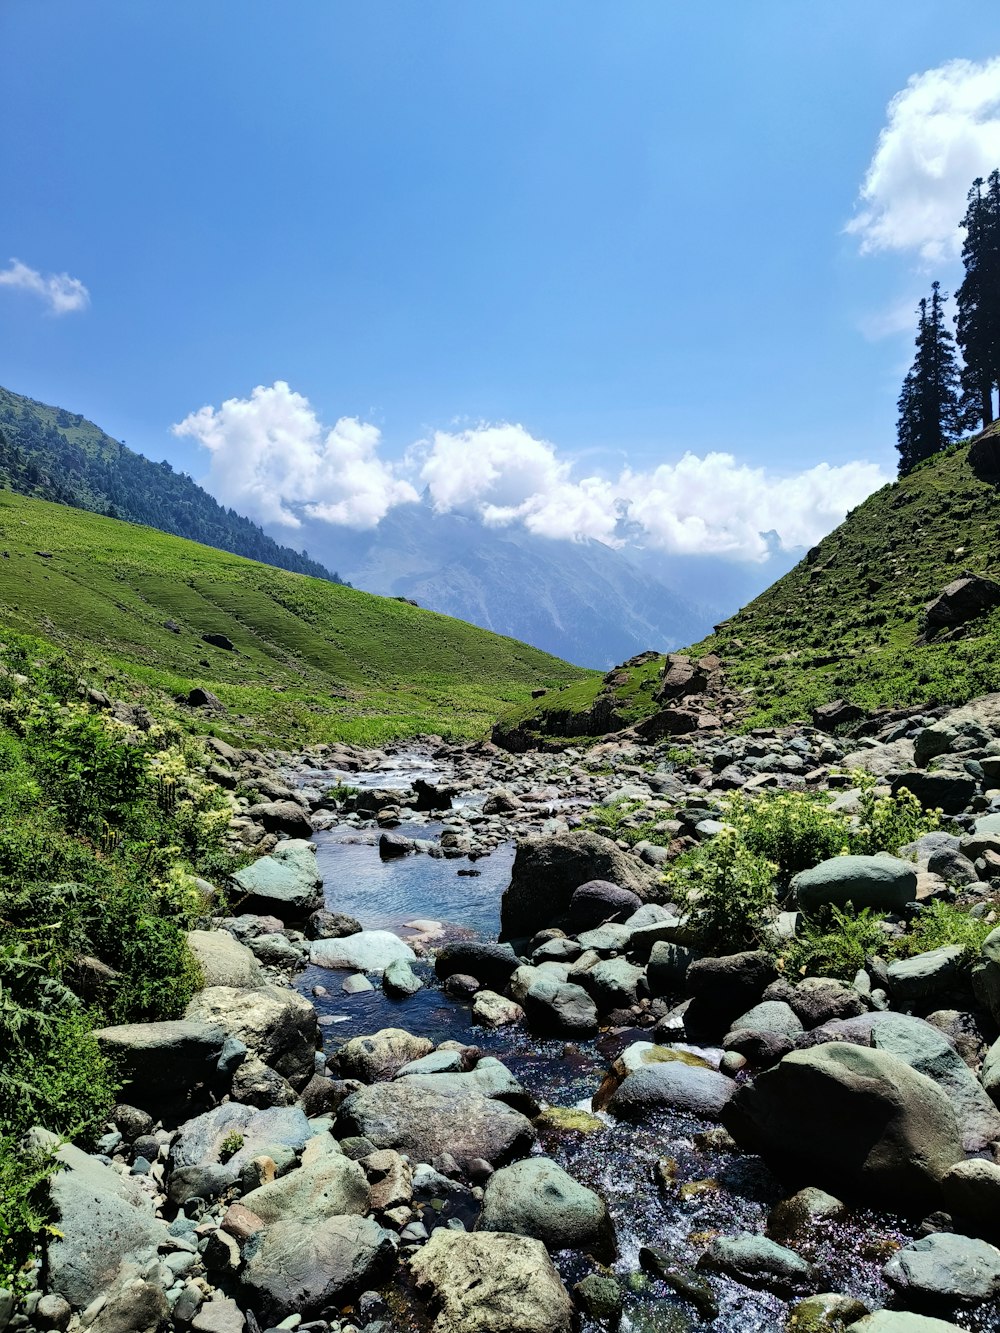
713	1192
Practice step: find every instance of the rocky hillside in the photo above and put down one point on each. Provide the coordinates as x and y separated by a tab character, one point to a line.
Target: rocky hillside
898	607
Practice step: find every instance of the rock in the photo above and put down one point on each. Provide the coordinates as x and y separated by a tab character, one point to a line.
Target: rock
222	960
827	1313
286	883
53	1311
598	901
495	1011
276	1132
199	697
600	1296
277	1024
882	883
132	1306
945	1266
798	1215
837	713
219	1315
551	1006
949	792
690	1286
730	985
758	1262
160	1060
986	975
770	1016
972	1192
962	600
490	1282
393	846
926	974
368	951
381	1056
218	640
356	985
399	980
676	1085
818	1000
324	925
102	1220
427	1115
304	1268
900	1321
259	1085
667	967
856	1118
491	964
614	983
282	817
391	1179
990	1074
548	870
330	1185
538	1198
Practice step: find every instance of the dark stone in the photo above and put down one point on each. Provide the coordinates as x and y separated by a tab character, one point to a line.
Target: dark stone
219	641
282	817
491	964
599	901
950	792
732	984
202	698
431	796
838	713
967	597
324	925
392	846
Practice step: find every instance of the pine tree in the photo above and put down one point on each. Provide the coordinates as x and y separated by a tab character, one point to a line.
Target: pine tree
930	412
978	299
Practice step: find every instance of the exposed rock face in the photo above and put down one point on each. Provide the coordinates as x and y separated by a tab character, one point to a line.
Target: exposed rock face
381	1056
490	1282
963	600
853	1117
330	1185
548	870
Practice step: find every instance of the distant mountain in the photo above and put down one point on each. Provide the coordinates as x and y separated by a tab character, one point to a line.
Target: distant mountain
581	601
53	454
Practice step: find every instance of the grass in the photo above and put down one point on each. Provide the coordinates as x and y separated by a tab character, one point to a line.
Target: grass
314	661
846	622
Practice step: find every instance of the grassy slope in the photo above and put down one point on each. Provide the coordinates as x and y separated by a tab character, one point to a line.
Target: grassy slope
314	660
845	623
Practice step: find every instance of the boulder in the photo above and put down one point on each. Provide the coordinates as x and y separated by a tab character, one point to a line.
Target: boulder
990	1073
368	951
102	1220
614	983
399	979
757	1261
330	1185
491	1282
986	975
926	974
324	925
963	599
276	1132
427	1115
286	883
883	883
160	1060
901	1321
667	967
972	1192
381	1056
770	1016
304	1268
282	817
276	1023
851	1117
491	964
945	1267
674	1084
730	985
599	901
829	1312
949	792
495	1011
548	870
538	1198
223	961
199	697
554	1007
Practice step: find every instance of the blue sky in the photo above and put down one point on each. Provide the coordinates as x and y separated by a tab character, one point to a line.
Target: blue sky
621	227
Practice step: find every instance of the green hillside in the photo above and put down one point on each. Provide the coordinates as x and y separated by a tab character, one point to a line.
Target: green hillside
52	454
312	660
847	621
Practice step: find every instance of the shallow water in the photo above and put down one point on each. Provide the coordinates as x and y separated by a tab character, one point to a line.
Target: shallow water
731	1193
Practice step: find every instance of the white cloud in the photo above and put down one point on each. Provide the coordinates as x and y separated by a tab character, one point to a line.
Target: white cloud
271	459
902	317
942	131
62	293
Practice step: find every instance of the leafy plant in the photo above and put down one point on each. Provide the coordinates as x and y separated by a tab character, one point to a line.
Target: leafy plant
24	1180
887	823
795	830
938	924
835	943
729	892
230	1145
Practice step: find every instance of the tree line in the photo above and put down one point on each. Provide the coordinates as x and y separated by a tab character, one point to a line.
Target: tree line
944	398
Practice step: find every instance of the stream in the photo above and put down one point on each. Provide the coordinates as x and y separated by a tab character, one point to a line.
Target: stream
713	1191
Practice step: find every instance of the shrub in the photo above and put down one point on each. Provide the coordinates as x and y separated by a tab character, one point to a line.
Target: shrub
24	1198
792	829
834	944
939	924
728	891
887	823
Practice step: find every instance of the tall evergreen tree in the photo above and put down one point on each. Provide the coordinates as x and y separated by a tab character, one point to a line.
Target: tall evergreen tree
930	413
978	299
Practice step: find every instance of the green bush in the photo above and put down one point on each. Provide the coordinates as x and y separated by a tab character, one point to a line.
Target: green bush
939	924
728	891
834	944
793	829
23	1209
887	823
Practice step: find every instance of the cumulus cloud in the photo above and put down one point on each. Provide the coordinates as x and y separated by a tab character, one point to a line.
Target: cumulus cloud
711	505
272	459
942	131
61	293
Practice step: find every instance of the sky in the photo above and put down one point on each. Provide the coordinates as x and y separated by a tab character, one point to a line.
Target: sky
584	267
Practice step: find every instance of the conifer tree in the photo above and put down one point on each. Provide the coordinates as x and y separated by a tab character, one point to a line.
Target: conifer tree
930	413
978	299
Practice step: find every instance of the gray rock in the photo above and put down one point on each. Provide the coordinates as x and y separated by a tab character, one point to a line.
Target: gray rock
667	967
282	817
199	1142
901	1321
427	1115
324	925
986	975
222	960
926	974
883	883
828	1312
950	792
757	1261
330	1185
490	1282
260	1085
286	883
551	1006
614	983
103	1220
381	1056
851	1117
368	951
538	1198
990	1073
495	1011
769	1016
164	1059
133	1306
548	870
219	1315
945	1266
400	980
599	901
972	1192
675	1085
274	1022
491	964
304	1268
